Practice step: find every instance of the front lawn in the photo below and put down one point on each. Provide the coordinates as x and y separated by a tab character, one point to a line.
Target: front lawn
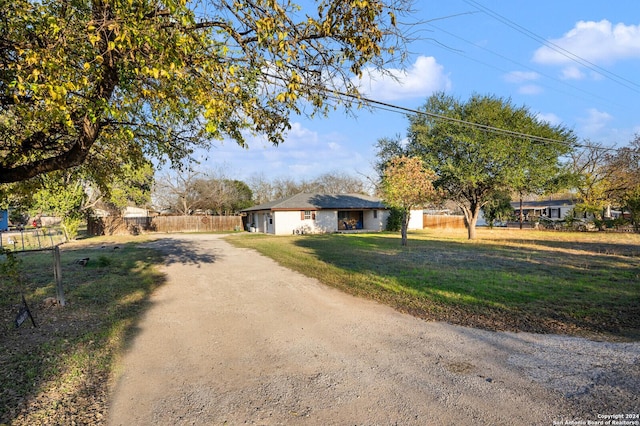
58	372
519	280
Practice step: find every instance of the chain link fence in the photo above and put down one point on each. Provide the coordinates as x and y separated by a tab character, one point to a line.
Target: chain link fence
32	239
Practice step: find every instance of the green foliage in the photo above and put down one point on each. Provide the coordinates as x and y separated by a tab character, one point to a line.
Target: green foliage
623	169
129	184
102	82
72	193
473	163
632	205
104	261
593	179
187	192
243	196
394	221
61	194
498	208
406	184
71	225
10	266
17	216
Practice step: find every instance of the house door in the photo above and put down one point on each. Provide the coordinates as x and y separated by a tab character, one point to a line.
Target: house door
268	223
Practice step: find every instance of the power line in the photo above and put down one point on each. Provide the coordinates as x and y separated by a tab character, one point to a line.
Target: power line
386	106
519	64
564	52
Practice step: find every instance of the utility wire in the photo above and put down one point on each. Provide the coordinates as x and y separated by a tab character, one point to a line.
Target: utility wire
570	55
386	106
399	109
557	80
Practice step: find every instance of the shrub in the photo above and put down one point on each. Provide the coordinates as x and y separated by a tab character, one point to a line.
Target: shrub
394	221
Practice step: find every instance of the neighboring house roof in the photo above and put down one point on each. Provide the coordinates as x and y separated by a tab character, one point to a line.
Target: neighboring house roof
543	204
306	201
135	212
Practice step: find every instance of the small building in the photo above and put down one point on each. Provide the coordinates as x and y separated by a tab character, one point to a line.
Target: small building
322	213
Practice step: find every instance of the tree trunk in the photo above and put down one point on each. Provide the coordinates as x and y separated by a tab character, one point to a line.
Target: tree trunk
471	218
406	215
521	213
472	227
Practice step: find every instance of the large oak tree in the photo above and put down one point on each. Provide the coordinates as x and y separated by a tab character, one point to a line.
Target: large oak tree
101	80
474	160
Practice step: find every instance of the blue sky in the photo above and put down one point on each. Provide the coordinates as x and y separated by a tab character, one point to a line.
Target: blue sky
485	47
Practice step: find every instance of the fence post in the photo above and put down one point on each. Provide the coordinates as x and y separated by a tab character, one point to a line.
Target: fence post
57	272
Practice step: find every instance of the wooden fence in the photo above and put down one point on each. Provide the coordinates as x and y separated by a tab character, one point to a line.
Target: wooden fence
442	221
196	223
136	225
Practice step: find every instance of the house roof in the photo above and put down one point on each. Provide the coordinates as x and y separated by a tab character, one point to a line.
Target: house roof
316	201
544	204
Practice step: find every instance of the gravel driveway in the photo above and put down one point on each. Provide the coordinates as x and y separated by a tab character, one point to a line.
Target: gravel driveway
234	338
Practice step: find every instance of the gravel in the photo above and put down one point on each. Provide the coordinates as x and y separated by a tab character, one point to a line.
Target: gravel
234	338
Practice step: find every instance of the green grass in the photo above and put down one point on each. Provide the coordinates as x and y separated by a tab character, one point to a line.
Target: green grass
572	283
59	372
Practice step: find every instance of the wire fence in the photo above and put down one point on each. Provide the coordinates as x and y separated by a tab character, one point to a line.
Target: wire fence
32	239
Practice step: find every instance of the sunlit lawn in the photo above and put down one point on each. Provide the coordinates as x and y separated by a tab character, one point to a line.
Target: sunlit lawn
574	283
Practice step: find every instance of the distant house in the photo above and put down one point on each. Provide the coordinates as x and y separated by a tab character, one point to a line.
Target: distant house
554	210
135	212
320	213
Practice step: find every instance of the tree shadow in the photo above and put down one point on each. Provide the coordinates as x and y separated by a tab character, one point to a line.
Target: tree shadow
176	251
541	288
106	298
596	248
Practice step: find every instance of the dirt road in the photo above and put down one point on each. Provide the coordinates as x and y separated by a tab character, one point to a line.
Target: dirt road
233	338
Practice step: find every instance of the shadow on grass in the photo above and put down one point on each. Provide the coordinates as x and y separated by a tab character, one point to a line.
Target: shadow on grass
588	247
61	369
539	287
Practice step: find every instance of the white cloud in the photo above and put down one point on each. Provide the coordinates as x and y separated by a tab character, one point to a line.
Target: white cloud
334	146
550	118
529	89
524	78
597	42
423	78
521	76
299	135
305	154
594	122
572	73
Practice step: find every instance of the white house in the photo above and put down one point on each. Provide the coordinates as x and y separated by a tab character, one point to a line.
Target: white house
548	209
319	213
